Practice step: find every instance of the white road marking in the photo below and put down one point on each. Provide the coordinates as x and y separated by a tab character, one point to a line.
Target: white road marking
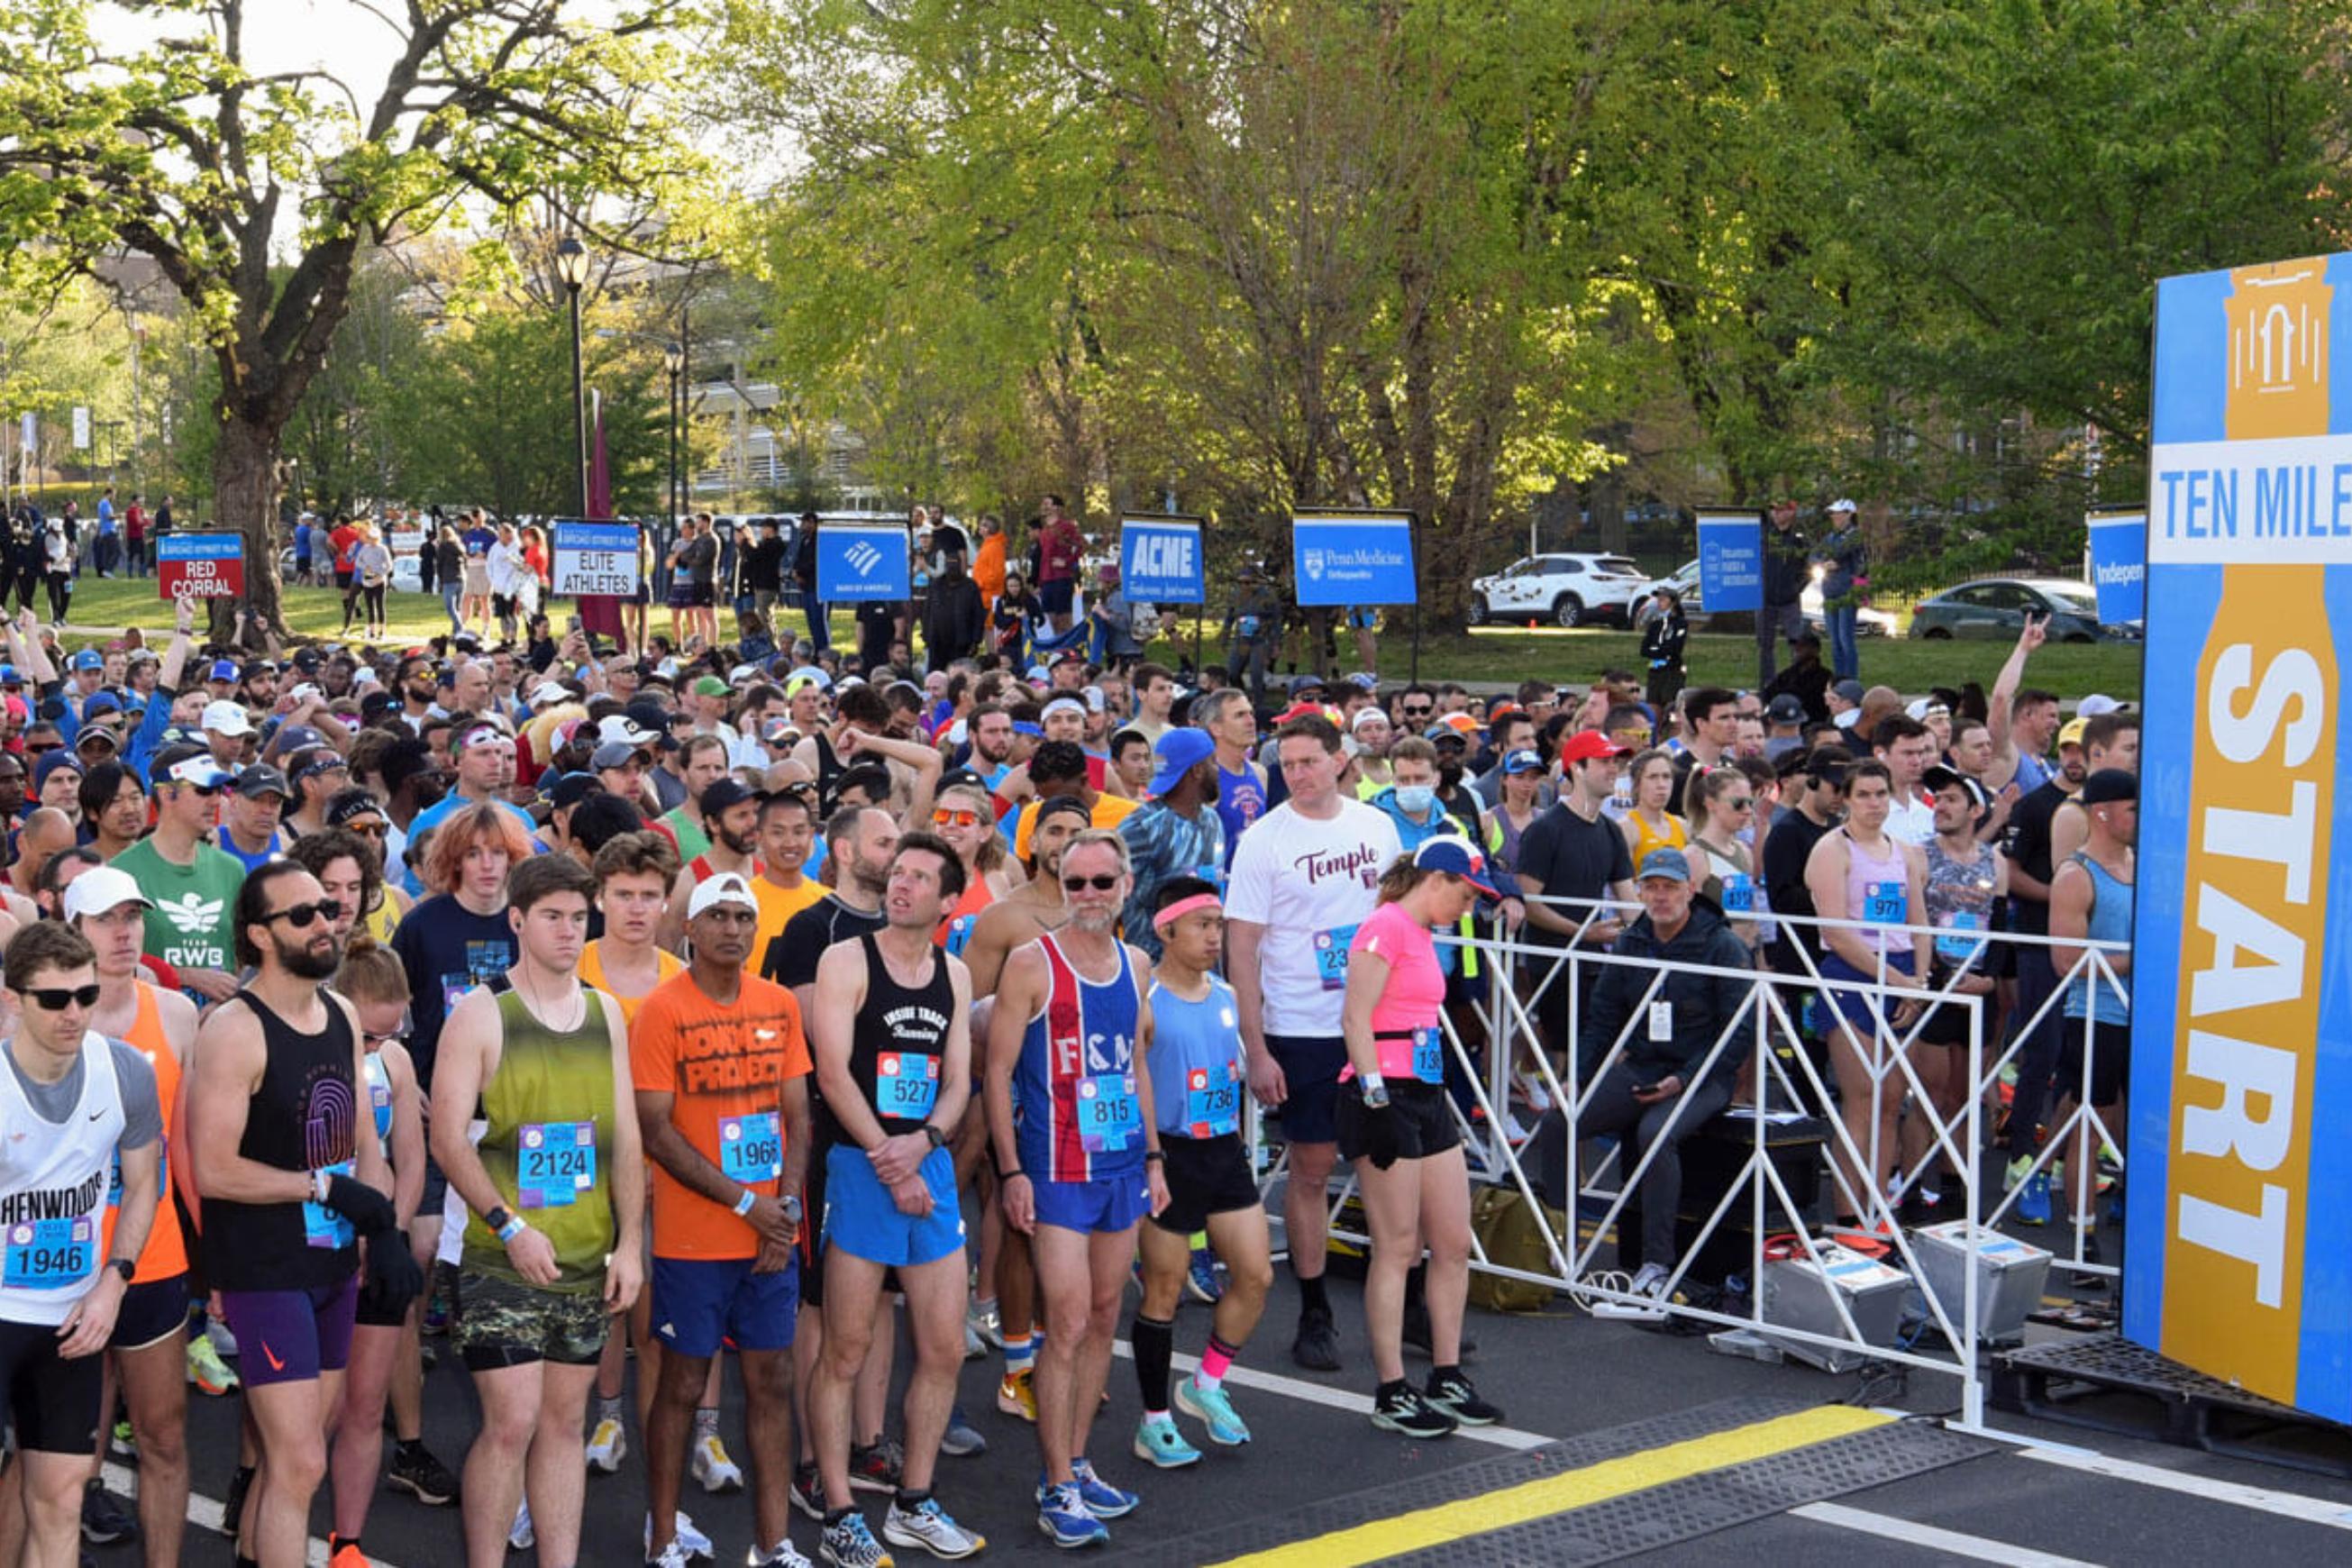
1339	1399
2286	1505
1975	1548
202	1511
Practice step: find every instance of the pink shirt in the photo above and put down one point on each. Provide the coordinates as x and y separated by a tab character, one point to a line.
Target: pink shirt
1415	996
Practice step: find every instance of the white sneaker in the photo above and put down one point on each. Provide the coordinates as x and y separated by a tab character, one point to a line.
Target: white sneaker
1513	1133
218	1332
608	1446
713	1469
520	1534
684	1540
783	1556
927	1527
1532	1090
1652	1281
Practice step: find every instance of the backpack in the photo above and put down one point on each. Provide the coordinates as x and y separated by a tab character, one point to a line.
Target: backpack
1510	1235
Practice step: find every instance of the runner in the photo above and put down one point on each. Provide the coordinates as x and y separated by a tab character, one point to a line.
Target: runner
292	1177
542	1062
1241	781
2091	900
787	838
1964	876
1303	880
721	1067
962	816
150	1363
1397	1126
1070	1103
893	1058
730	816
193	883
63	1285
1198	1071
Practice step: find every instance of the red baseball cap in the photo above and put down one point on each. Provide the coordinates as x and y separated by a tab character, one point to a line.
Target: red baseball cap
1586	745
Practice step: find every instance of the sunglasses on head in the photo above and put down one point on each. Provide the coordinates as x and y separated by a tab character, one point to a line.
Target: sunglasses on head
1099	884
58	998
952	817
300	916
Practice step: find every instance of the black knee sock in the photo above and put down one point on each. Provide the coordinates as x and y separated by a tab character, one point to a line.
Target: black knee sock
1311	1296
1155	1344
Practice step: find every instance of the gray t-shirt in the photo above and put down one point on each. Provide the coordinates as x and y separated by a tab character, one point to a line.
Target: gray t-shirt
142	1117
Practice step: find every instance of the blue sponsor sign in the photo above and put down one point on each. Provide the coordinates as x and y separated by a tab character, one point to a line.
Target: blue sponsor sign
2119	566
1159	562
857	561
1360	560
596	558
1730	561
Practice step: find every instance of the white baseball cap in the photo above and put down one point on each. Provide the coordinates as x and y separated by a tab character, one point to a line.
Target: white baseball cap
1842	504
226	719
99	890
725	887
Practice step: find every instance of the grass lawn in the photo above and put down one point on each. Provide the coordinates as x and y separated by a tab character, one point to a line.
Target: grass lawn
1483	659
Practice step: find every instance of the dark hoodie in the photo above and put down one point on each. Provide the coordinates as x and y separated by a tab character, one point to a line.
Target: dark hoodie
1703	1003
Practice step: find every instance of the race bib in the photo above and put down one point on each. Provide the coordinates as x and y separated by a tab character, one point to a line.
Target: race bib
1247	625
959	933
1738	894
1954	945
751	1148
1884	903
1212	1101
1331	956
1109	1115
50	1254
905	1084
554	1163
1428	1055
323	1226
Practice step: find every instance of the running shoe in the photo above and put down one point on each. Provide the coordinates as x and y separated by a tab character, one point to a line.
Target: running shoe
347	1555
783	1556
1158	1442
848	1544
876	1466
1452	1393
1103	1500
123	1442
1016	1396
1063	1519
1200	1280
673	1555
1404	1410
928	1526
1532	1090
808	1490
1212	1407
206	1370
713	1470
608	1445
520	1537
417	1471
689	1542
104	1519
975	1347
987	1322
1316	1347
1652	1281
2034	1199
961	1440
2016	1170
224	1340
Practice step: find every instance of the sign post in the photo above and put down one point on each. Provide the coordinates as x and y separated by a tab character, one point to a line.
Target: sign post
1357	558
1730	561
199	566
2119	562
861	560
596	558
2240	1254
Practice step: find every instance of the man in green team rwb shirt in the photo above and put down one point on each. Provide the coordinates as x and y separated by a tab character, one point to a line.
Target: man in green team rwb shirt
193	883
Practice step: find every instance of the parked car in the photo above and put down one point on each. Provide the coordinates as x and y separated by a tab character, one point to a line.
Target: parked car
1867	622
1996	608
1566	590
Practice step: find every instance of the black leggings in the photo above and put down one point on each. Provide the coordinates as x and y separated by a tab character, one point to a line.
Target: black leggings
60	594
374	596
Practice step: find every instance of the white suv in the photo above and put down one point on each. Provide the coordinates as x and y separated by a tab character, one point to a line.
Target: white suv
1566	590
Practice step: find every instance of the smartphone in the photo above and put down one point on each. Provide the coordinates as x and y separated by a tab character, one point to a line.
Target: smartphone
572	622
1645	1089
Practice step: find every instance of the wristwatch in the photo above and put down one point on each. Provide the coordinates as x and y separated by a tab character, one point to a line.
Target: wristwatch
124	1267
792	1207
1376	1092
938	1139
497	1218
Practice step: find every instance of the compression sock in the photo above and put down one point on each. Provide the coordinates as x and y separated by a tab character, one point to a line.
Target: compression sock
1215	1362
609	1409
1155	1344
1312	1296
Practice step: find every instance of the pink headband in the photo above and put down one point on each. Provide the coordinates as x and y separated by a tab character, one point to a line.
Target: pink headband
1182	907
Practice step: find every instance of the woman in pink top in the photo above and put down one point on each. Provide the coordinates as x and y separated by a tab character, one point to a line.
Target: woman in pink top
1396	1123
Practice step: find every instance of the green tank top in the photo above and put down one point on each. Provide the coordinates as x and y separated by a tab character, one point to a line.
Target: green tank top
549	1110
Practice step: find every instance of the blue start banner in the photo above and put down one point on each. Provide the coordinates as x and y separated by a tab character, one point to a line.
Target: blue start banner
862	563
1359	558
1730	561
2119	564
1160	560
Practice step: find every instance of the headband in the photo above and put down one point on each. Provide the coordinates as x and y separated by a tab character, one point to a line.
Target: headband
1182	907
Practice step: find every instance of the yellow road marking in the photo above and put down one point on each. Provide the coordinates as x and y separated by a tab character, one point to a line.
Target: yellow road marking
1378	1539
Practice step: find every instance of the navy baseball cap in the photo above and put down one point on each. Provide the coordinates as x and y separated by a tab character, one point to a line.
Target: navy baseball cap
1455	858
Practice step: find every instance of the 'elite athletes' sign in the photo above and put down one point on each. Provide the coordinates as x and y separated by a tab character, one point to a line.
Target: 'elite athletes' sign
1160	560
200	565
2239	1262
596	558
1339	558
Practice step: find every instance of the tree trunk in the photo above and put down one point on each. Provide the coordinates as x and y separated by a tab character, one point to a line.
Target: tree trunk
245	497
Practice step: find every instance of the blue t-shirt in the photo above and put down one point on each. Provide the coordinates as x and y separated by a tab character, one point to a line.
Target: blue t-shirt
447	950
301	542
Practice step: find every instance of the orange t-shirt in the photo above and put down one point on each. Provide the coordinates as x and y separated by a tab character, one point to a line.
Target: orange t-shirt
726	1067
988	568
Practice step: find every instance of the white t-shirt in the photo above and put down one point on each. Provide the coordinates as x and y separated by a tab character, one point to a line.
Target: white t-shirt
1309	883
1911	821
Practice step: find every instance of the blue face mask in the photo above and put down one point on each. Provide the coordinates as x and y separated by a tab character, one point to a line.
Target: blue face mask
1417	798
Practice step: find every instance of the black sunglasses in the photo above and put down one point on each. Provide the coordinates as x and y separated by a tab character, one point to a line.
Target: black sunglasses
58	998
1100	884
33	750
300	916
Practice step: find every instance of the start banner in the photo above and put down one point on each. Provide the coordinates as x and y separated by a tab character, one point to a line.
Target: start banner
2240	1254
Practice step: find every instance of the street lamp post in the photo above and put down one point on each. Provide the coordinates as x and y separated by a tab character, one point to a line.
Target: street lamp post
571	267
673	356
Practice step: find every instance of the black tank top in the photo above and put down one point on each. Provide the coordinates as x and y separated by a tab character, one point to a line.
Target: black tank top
898	1052
303	1117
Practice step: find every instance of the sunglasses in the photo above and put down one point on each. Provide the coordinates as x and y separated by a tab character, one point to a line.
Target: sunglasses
1741	802
300	916
1416	713
33	750
949	819
1099	884
372	829
58	998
